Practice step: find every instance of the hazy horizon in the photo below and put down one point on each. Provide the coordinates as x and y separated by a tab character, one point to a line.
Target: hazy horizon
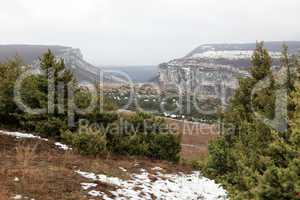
140	32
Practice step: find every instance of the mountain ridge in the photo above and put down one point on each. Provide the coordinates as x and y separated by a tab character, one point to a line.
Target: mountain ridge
271	45
214	69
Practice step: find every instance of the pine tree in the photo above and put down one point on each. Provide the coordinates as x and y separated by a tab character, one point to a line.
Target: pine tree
58	77
250	155
48	90
285	62
9	72
281	180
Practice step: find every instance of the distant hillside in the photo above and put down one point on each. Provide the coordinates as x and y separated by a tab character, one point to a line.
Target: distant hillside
84	71
236	54
29	53
216	67
271	46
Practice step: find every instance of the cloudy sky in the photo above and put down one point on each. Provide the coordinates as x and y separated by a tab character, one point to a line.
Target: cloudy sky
134	32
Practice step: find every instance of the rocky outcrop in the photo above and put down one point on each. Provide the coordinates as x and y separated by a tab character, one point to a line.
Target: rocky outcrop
74	60
205	79
212	71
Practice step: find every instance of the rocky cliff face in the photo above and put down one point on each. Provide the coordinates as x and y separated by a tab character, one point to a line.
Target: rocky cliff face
205	79
83	70
212	71
30	54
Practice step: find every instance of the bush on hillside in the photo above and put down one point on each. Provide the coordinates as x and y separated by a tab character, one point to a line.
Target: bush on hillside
165	147
149	143
132	145
85	143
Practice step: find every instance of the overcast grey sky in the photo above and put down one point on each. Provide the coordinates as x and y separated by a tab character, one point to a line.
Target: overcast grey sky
132	32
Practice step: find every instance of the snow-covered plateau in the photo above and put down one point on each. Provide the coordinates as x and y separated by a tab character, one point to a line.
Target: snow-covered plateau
230	55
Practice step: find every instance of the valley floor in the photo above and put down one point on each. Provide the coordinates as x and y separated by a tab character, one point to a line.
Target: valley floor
35	168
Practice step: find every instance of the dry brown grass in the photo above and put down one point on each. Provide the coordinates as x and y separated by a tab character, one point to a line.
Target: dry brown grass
25	154
40	169
3	193
68	158
48	173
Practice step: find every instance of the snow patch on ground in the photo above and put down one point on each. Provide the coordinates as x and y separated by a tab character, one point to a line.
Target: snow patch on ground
95	193
22	135
87	186
158	186
157	169
62	146
123	169
18	196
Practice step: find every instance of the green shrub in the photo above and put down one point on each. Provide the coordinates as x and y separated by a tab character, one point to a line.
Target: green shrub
131	145
147	123
145	135
86	144
101	118
218	154
51	127
165	147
